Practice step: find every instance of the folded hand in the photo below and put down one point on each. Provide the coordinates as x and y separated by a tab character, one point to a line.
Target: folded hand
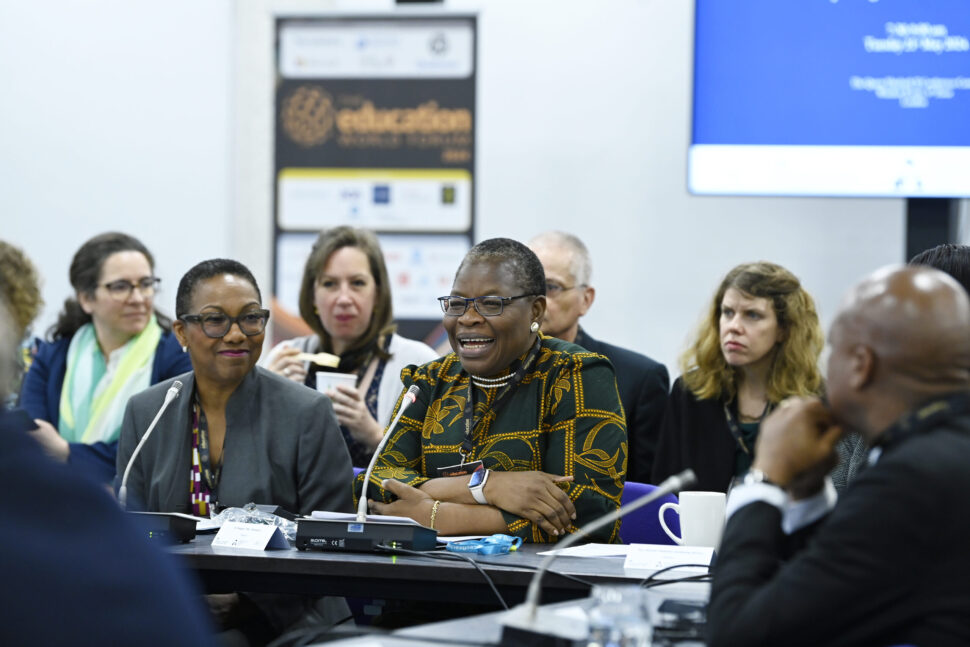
535	496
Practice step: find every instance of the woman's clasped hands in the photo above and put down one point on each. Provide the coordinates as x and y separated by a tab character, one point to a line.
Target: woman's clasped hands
535	496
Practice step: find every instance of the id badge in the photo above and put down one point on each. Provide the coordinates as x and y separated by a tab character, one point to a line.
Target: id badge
462	469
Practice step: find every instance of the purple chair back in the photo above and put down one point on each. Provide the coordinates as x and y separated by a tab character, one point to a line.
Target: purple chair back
643	526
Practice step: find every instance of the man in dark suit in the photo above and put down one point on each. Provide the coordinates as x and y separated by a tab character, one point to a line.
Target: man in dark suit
889	563
642	382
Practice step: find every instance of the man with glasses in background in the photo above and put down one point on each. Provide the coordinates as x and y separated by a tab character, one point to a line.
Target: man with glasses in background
643	383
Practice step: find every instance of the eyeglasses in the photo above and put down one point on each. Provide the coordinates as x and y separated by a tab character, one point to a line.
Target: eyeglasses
552	289
121	289
218	324
489	306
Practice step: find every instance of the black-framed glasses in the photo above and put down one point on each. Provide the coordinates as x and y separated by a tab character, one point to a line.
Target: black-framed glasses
121	289
217	324
487	306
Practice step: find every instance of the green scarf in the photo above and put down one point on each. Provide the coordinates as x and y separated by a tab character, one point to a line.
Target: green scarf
94	394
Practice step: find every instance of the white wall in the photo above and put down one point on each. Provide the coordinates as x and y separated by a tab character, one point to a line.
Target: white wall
158	121
115	115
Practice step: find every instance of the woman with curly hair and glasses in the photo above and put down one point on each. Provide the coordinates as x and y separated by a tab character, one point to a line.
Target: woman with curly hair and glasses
759	344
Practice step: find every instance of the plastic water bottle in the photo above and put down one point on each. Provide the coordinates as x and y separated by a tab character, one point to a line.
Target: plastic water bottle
618	618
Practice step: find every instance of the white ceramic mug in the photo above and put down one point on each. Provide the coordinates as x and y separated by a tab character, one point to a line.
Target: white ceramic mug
327	381
701	518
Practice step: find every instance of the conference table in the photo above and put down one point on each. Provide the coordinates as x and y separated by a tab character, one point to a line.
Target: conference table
396	576
486	629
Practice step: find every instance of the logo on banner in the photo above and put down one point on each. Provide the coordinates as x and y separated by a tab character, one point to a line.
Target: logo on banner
308	115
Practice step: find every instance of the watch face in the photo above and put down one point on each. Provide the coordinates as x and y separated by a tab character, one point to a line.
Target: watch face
477	477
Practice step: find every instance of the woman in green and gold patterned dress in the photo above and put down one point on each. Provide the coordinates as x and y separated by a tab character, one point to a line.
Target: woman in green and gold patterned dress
513	432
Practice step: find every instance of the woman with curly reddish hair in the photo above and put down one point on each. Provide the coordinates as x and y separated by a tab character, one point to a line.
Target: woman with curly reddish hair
19	289
759	344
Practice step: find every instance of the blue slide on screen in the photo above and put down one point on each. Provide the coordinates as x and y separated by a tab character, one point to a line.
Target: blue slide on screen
784	89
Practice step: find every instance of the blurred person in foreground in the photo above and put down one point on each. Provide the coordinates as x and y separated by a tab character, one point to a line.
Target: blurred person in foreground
759	344
109	343
643	383
236	434
19	289
75	570
345	298
514	432
889	563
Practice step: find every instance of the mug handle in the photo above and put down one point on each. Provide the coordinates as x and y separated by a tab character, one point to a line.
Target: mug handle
663	524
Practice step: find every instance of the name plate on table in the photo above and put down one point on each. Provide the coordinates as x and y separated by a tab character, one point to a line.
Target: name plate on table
653	557
254	536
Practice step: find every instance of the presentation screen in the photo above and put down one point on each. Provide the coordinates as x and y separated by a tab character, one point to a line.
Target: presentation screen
831	98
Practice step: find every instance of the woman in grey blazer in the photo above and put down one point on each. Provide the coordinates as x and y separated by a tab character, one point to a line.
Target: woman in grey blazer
237	433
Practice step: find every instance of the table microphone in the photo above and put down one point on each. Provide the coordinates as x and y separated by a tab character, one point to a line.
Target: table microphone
362	534
522	619
410	397
171	394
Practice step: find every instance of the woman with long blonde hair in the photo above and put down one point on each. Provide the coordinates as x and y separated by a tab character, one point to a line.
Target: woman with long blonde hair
759	344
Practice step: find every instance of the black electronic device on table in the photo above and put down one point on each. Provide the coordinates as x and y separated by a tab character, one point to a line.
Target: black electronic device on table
334	535
357	532
679	621
166	527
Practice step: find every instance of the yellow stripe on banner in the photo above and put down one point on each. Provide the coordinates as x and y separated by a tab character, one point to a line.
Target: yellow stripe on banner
438	175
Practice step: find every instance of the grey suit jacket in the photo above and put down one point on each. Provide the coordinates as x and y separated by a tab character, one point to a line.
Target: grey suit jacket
283	446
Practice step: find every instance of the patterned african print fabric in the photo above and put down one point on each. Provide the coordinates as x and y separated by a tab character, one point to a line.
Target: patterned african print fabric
564	418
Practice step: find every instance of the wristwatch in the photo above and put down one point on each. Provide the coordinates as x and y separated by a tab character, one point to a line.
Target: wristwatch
757	476
476	484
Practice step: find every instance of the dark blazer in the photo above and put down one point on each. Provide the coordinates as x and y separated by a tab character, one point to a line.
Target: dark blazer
75	570
643	385
283	446
888	566
695	434
40	395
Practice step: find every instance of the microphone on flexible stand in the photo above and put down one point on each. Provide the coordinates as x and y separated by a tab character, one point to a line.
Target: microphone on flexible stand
360	534
523	624
171	394
410	397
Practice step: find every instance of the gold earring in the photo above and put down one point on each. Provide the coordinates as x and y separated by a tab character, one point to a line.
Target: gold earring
534	327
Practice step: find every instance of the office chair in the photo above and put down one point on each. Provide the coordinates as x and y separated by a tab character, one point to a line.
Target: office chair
643	526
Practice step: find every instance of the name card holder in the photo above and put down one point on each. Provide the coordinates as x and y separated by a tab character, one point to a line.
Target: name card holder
253	536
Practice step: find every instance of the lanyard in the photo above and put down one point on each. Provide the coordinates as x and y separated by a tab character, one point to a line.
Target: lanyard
735	429
500	399
210	475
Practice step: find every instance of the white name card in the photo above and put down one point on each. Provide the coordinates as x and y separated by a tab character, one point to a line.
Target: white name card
255	536
653	557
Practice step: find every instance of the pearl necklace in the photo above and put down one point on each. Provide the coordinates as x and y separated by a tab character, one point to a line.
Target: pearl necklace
490	383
